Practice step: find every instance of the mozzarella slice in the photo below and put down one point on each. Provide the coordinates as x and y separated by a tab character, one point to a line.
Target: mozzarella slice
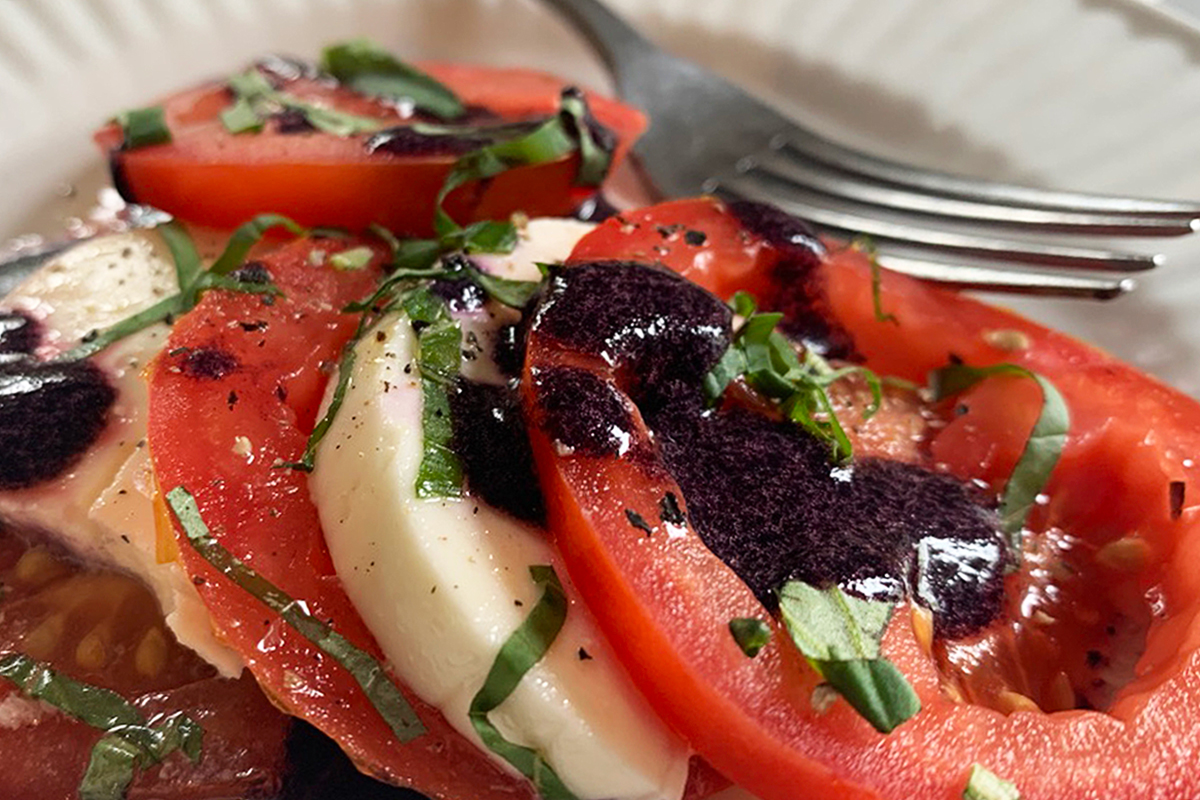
101	508
443	583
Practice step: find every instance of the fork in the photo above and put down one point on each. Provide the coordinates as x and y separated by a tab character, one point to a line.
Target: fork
709	137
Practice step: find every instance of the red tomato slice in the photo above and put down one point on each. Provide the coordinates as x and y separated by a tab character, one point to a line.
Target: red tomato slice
105	629
238	367
212	177
754	719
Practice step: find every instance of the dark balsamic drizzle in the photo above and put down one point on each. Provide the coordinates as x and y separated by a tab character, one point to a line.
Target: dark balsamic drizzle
802	298
596	208
761	493
402	140
19	335
207	363
583	412
491	440
50	414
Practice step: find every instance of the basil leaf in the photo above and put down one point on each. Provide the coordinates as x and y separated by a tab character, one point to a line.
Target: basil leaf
188	264
113	762
1041	452
750	634
370	675
367	68
526	646
254	94
512	293
488	236
99	708
550	141
439	356
982	784
769	362
839	635
353	259
130	744
142	127
246	236
594	159
93	343
241	117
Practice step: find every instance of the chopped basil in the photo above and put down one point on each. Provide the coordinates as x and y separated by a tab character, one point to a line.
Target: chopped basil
595	159
142	127
130	742
866	245
1042	449
254	96
983	784
193	280
750	634
353	259
368	672
367	68
839	635
526	646
769	363
241	117
439	356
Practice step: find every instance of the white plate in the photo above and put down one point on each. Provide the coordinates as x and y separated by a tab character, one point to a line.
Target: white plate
1086	94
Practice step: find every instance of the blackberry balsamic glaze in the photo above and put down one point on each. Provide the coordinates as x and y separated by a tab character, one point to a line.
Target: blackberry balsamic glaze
50	412
761	493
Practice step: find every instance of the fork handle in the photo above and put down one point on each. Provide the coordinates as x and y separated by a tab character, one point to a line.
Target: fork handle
619	44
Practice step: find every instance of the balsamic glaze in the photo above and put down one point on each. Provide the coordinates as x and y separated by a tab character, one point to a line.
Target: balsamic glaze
761	493
19	335
801	297
403	140
491	439
50	414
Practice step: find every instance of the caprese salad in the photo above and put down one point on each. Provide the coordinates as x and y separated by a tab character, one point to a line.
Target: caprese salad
511	503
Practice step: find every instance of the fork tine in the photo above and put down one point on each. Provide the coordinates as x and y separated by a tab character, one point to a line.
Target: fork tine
819	149
1010	280
791	165
748	185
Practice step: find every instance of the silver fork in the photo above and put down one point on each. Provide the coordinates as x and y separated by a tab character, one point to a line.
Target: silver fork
709	137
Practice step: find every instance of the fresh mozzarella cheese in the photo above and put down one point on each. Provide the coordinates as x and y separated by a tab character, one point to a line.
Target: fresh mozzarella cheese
102	507
443	583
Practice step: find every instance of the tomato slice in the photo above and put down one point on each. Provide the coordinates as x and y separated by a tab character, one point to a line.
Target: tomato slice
212	177
234	394
104	629
1132	444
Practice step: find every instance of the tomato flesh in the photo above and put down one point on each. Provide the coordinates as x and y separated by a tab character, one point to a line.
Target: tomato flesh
754	719
237	367
104	629
212	177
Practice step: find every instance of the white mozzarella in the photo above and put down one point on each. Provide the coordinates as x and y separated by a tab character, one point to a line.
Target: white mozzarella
443	583
102	507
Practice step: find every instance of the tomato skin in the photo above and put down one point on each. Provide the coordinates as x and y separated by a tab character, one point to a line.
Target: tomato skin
753	719
236	367
212	177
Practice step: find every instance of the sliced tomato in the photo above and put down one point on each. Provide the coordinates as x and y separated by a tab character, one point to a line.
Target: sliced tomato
234	395
1132	439
104	629
212	177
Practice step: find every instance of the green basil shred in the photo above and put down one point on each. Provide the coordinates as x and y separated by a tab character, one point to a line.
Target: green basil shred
130	743
255	100
526	646
750	634
439	357
769	363
193	280
142	127
983	784
367	68
1042	449
839	635
866	245
370	675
